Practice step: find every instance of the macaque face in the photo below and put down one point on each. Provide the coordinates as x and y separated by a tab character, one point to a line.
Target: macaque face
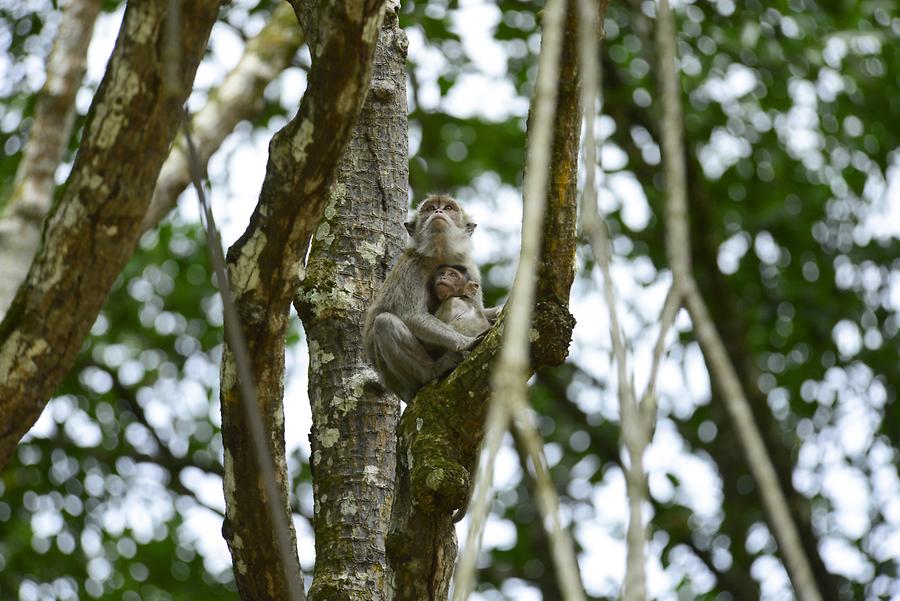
450	281
440	215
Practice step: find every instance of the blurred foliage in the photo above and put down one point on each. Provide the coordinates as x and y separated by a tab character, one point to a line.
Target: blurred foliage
789	109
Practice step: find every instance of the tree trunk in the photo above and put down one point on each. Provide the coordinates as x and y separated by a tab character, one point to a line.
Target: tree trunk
354	428
264	267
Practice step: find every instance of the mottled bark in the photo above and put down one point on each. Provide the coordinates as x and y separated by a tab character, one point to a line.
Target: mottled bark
354	419
560	214
239	97
264	267
54	115
442	429
92	229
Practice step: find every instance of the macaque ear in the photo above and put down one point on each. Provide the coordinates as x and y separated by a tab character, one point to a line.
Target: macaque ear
471	288
470	227
410	227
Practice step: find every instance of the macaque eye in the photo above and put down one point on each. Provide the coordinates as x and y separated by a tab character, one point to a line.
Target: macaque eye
449	208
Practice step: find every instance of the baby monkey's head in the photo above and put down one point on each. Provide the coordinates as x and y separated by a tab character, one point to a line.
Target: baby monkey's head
453	280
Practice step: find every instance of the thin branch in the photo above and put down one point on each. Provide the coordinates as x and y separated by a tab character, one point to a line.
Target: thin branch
637	421
238	98
510	374
234	333
718	362
666	321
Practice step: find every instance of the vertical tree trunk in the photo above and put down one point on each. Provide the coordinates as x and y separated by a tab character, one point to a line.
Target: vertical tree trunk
264	266
354	420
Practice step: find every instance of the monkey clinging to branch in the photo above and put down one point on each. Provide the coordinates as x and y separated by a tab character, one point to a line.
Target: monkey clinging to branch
458	308
409	346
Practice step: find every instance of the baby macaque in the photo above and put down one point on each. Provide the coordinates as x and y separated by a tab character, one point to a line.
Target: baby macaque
458	308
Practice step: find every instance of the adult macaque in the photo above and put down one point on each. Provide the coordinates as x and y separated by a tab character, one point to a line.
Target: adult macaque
458	308
409	346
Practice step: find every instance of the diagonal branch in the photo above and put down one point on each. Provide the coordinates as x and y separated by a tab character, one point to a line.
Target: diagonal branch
783	526
93	228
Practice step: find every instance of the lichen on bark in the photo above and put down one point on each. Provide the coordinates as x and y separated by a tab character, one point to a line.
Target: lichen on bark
95	223
265	266
354	418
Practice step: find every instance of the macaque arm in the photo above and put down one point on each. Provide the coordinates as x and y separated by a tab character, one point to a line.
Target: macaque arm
431	330
491	313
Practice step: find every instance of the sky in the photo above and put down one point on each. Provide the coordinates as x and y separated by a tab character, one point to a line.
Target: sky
236	172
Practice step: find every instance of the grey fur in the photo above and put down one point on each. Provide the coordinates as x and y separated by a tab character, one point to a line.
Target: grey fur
407	345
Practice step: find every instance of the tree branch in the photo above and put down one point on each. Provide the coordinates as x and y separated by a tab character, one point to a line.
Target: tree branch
92	229
240	97
783	527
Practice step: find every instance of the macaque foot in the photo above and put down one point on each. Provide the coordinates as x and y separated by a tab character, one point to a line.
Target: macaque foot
447	363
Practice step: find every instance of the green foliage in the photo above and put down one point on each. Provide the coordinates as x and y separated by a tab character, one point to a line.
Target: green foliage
100	497
790	112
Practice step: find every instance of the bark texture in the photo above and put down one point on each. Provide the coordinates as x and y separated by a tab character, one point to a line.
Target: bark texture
354	419
442	429
54	115
264	271
239	97
92	229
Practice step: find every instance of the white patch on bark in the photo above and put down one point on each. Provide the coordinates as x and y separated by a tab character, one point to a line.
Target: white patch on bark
370	252
230	486
245	274
419	423
349	508
329	437
433	481
301	141
229	373
347	99
359	380
14	353
110	230
370	474
324	234
241	566
338	192
340	297
344	405
110	121
533	335
140	28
